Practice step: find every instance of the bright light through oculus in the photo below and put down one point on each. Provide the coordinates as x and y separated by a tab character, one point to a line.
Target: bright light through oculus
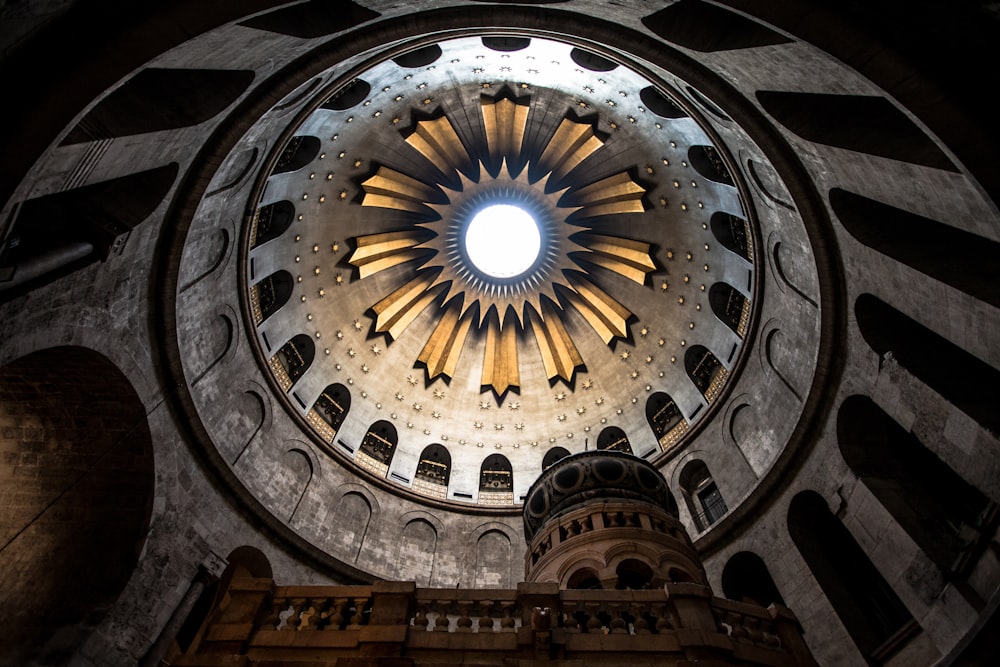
503	241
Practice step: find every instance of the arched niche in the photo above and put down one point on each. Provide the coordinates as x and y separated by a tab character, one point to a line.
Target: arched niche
945	515
705	370
612	437
701	493
733	233
493	552
731	307
353	517
378	447
553	455
665	419
270	294
496	481
870	610
294	358
300	151
271	221
417	548
330	410
746	578
433	471
75	444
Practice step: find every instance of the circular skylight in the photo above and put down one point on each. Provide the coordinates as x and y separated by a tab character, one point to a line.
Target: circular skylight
503	241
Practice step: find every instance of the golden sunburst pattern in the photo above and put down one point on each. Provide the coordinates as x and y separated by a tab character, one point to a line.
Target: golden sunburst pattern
497	308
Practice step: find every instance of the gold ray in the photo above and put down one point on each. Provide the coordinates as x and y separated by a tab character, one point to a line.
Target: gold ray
500	364
505	122
602	312
437	141
395	312
569	146
389	188
559	353
377	252
441	352
625	257
615	194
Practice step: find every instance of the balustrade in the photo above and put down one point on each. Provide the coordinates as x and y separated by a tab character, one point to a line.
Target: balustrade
280	621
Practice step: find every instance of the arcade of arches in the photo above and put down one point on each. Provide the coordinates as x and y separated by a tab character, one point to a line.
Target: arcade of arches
248	342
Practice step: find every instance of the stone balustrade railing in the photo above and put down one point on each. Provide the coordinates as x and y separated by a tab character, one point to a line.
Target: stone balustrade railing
262	623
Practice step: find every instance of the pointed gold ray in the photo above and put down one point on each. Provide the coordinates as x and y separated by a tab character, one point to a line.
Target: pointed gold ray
559	353
442	350
500	364
389	188
377	252
615	194
569	146
437	141
505	122
625	257
602	312
395	312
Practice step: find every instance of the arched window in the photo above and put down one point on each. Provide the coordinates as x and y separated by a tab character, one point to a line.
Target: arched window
705	370
294	359
746	578
929	246
633	575
867	606
704	500
299	152
942	512
496	481
665	419
733	233
707	161
584	579
731	307
330	410
271	222
554	455
962	378
614	438
433	471
270	294
377	448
